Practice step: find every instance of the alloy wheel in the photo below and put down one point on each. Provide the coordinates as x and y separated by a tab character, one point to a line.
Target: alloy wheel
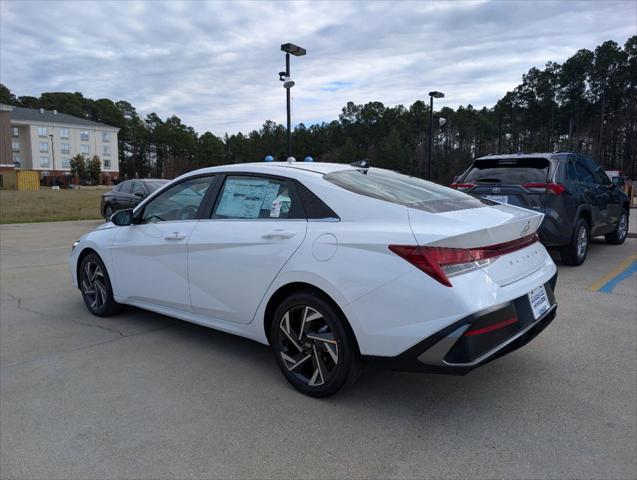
94	285
582	241
308	347
622	226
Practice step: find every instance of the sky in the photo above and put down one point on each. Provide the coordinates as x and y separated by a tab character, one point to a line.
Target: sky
215	64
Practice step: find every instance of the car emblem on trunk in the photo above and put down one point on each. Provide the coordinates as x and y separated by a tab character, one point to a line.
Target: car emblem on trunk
495	190
526	228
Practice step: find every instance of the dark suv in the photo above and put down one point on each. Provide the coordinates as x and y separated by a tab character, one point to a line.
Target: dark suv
576	196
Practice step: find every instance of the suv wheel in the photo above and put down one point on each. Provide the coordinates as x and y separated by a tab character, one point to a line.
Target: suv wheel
618	236
575	252
314	349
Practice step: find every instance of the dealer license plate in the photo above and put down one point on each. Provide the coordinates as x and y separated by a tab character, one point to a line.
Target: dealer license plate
539	301
497	198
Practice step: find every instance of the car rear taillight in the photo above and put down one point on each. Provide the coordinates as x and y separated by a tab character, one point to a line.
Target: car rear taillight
440	263
462	186
554	188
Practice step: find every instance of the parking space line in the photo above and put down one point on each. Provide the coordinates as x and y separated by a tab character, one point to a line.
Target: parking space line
608	282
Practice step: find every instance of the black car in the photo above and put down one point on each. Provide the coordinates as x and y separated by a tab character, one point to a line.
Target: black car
128	194
578	199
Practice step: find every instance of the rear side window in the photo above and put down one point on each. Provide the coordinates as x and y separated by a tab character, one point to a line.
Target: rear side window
509	171
409	191
584	174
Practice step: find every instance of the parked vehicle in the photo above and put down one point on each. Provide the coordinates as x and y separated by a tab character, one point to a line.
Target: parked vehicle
128	194
329	264
577	198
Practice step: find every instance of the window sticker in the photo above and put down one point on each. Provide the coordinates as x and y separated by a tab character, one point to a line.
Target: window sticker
245	198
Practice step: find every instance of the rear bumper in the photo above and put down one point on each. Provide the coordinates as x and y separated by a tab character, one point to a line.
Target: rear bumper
452	351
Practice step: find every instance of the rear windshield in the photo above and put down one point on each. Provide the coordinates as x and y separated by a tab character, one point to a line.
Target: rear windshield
510	171
409	191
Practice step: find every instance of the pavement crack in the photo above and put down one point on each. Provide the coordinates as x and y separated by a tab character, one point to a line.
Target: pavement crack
21	306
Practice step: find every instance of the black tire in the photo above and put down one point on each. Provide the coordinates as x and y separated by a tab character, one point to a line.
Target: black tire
575	252
95	286
618	236
108	211
314	347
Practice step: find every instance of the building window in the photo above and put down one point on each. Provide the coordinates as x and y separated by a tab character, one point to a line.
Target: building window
66	162
106	137
107	163
15	146
107	150
84	136
44	146
66	148
14	132
64	133
44	162
16	159
42	132
85	150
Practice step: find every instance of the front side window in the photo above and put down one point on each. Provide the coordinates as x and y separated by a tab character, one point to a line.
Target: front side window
404	190
257	198
180	202
15	146
42	132
65	147
64	133
84	136
44	146
44	162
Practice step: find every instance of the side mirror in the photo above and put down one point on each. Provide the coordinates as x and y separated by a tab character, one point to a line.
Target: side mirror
123	218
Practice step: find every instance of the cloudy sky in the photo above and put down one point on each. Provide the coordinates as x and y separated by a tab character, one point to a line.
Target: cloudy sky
215	64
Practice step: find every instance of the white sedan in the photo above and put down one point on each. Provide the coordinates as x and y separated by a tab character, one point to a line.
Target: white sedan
330	265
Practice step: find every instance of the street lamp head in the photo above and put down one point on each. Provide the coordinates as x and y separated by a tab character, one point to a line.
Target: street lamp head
442	121
435	94
293	49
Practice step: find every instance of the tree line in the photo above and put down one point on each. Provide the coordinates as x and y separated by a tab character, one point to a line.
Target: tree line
587	104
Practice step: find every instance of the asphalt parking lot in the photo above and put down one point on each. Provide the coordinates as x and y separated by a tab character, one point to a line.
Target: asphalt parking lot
140	395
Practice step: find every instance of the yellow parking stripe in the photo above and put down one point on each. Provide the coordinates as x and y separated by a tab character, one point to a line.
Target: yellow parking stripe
613	273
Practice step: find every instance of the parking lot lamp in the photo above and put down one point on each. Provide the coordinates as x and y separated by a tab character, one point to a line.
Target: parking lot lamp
289	49
432	95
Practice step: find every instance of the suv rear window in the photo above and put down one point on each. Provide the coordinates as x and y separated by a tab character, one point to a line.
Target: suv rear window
510	171
404	190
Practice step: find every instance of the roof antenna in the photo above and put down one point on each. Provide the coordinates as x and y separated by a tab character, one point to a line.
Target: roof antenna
361	164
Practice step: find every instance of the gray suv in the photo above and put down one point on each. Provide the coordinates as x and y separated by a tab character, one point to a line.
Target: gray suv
578	199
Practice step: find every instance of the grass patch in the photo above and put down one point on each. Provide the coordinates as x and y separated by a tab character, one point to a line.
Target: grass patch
48	205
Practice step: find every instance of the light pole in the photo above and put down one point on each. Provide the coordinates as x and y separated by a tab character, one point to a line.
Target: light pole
432	95
53	158
289	49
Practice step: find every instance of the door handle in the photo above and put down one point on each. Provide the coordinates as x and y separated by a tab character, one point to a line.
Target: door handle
175	236
278	234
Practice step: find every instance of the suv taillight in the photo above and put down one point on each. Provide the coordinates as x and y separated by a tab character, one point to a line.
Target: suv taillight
442	262
554	188
462	186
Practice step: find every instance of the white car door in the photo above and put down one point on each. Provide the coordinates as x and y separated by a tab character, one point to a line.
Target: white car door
150	259
257	223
